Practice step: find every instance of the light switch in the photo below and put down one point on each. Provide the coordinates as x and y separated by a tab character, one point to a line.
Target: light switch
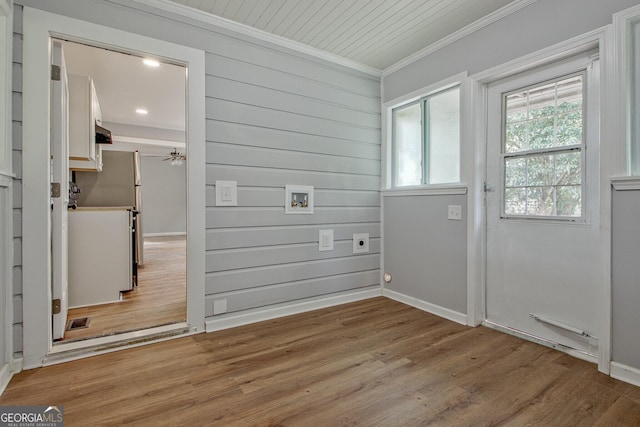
361	243
455	212
226	193
325	240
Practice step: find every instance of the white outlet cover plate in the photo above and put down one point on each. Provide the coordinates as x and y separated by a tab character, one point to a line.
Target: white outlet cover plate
219	306
226	193
325	240
454	212
361	249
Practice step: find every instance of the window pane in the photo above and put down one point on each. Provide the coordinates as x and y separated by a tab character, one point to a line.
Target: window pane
515	172
546	116
443	137
541	133
540	201
540	170
569	201
517	137
515	201
408	145
542	101
569	168
569	128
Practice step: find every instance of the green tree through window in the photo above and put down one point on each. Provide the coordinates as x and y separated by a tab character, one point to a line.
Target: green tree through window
543	149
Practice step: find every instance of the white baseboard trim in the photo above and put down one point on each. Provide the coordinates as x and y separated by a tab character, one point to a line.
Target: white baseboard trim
625	373
426	306
232	320
6	372
167	234
5	376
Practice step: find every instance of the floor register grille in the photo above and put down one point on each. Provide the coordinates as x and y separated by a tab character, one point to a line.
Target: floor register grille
79	323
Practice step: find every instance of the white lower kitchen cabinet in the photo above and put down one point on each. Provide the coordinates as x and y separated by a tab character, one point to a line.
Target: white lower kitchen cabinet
100	259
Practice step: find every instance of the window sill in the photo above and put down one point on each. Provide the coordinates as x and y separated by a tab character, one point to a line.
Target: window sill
6	179
626	183
427	190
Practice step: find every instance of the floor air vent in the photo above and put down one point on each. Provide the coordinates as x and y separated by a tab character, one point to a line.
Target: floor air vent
82	322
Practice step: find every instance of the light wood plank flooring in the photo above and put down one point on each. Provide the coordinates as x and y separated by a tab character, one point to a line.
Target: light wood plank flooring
371	363
159	299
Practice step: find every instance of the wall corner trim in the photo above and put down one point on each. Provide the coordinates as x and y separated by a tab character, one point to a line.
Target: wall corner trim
626	183
232	320
447	313
487	20
625	373
195	14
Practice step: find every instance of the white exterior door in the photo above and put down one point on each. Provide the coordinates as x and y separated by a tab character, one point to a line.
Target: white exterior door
542	204
59	175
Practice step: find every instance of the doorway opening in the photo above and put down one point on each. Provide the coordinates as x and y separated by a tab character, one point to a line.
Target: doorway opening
127	210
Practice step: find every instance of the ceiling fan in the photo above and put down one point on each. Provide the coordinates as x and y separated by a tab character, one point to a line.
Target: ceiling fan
177	158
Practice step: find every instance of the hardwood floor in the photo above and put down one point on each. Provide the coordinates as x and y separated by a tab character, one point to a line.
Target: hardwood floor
159	299
371	363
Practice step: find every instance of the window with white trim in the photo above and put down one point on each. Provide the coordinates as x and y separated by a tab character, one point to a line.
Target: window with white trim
426	140
543	149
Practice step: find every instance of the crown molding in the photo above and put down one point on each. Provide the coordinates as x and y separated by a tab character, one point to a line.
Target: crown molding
223	23
463	32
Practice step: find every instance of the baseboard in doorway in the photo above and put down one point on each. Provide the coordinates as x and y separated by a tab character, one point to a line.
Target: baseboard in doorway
447	313
625	373
6	372
232	320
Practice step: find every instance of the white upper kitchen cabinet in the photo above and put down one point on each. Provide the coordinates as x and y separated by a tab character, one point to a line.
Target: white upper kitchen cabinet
84	113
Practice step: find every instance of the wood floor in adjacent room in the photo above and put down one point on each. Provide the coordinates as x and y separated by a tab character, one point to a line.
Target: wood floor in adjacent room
159	299
371	363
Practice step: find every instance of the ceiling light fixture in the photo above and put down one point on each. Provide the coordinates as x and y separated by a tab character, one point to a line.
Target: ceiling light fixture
176	158
142	111
151	62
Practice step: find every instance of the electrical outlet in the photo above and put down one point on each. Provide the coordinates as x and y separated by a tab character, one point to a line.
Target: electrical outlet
361	243
455	212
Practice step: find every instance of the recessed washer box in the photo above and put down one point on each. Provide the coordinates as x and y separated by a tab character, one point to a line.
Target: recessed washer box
298	199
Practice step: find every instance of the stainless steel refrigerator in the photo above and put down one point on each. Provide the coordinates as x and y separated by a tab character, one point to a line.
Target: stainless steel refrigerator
118	185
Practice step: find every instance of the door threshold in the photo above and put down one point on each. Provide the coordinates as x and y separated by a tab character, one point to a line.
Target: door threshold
94	346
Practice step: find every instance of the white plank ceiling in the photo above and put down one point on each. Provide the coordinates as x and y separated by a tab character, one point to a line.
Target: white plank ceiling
377	33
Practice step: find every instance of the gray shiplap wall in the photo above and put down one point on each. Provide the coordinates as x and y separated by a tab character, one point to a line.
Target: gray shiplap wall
282	126
274	117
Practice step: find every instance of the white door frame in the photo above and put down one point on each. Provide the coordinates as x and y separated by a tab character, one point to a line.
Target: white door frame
38	28
601	39
6	195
